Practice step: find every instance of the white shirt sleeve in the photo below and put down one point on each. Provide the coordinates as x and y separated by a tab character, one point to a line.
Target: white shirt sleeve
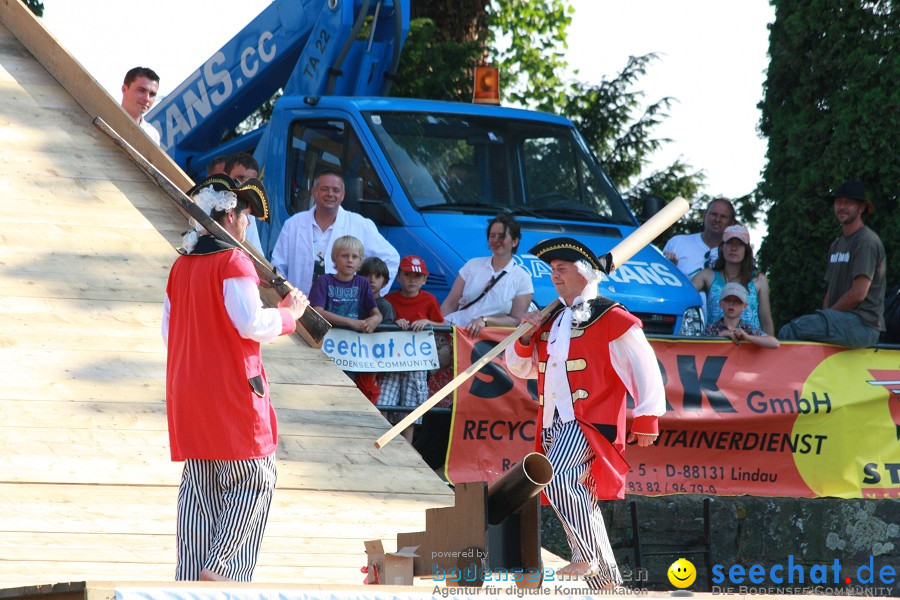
252	238
523	367
281	251
167	308
246	310
634	361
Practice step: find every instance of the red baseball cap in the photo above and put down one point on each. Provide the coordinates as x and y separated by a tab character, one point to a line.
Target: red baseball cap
413	264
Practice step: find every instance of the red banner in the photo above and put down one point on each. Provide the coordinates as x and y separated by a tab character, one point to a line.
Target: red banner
804	420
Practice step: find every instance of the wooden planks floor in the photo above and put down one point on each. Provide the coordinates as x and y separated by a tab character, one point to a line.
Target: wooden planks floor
87	490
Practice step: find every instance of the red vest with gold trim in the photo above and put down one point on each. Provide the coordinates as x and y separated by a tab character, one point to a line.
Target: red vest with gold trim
217	396
598	395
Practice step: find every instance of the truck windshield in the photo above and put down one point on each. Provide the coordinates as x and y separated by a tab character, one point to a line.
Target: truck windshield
464	163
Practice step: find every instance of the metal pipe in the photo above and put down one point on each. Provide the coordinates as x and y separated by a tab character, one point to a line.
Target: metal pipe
522	482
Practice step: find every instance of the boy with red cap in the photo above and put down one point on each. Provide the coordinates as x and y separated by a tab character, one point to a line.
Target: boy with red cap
414	310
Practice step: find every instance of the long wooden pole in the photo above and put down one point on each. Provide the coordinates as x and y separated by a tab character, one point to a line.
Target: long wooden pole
620	254
312	326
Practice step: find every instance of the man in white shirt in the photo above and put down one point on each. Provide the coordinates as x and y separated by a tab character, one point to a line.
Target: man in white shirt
696	251
586	355
303	249
139	91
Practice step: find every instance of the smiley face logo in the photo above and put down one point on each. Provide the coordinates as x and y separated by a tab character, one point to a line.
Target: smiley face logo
682	573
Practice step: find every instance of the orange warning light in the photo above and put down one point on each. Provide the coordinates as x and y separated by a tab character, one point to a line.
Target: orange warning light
487	85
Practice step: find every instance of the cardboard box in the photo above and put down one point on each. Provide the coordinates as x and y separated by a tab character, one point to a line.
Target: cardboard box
390	568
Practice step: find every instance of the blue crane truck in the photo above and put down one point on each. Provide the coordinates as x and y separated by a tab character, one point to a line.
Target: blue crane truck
429	174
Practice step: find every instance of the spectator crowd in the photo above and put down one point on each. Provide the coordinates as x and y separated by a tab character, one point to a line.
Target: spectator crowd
341	260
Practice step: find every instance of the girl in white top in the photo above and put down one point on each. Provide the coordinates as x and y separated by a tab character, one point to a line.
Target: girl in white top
491	291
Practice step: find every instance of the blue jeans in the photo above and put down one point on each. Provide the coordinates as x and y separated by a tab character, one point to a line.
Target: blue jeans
839	327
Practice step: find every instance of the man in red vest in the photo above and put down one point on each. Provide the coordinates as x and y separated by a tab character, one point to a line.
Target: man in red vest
586	355
221	423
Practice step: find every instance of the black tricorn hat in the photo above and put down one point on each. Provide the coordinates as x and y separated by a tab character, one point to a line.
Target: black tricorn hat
251	191
853	190
569	249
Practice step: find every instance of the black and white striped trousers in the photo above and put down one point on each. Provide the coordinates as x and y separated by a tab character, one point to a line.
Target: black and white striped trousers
223	506
569	493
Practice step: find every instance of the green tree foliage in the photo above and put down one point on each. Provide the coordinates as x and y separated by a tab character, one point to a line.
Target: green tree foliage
435	67
830	113
528	42
620	132
35	6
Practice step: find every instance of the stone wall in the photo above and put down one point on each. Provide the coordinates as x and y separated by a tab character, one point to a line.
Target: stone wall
750	530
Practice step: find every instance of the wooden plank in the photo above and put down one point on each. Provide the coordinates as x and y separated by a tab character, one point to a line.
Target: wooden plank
295	504
82	190
328	398
98	438
127	416
57	591
128	370
65	131
87	286
153	467
123	370
106	548
130	515
21	573
307	396
44	94
112	242
65	164
130	413
37	323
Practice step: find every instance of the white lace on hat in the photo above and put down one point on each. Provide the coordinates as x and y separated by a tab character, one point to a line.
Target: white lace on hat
208	200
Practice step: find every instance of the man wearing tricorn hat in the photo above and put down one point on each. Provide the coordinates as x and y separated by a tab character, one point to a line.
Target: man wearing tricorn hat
852	311
221	423
586	355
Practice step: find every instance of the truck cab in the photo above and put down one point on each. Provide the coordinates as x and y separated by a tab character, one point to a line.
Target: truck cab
432	174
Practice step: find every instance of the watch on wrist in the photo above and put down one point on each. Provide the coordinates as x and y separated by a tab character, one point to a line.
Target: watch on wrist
484	321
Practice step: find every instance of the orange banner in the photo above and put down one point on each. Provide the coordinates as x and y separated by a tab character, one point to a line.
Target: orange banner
804	420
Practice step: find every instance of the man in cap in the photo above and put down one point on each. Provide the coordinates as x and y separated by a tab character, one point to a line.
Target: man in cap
586	355
852	313
221	423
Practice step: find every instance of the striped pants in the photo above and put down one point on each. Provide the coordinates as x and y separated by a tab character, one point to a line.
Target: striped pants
223	506
569	493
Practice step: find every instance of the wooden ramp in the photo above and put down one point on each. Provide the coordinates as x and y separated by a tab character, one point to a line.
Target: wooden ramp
87	490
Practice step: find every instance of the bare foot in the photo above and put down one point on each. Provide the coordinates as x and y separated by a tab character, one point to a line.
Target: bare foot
207	575
575	569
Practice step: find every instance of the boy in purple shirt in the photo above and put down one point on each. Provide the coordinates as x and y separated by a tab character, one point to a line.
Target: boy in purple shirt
345	299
